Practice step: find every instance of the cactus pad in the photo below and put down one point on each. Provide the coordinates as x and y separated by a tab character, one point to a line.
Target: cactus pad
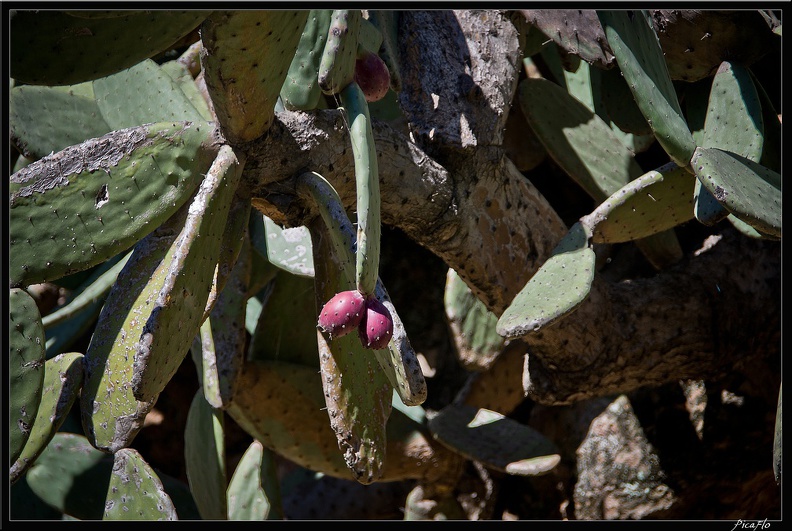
749	191
246	56
494	440
558	288
26	368
55	48
94	200
639	55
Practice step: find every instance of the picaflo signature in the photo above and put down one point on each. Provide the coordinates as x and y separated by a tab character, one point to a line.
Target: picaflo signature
751	524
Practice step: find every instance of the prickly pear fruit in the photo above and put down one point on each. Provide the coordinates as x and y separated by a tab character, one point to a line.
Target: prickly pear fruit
372	76
341	314
376	327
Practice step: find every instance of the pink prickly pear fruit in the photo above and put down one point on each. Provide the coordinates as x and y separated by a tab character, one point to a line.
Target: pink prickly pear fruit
372	76
376	327
342	314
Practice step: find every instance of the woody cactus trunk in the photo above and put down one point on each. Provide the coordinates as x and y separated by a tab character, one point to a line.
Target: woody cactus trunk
422	264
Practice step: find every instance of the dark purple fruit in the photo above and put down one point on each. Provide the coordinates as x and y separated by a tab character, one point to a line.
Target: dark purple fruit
341	314
376	327
372	76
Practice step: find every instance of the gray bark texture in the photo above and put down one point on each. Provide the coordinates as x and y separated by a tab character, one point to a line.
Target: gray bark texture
449	185
447	182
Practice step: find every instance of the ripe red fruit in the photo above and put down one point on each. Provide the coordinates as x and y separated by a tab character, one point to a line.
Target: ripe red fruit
376	327
341	314
372	76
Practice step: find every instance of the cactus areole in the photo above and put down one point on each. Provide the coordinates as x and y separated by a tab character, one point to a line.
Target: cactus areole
342	314
372	76
376	327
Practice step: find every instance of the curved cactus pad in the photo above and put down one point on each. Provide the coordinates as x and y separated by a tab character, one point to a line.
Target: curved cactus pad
301	88
90	202
45	120
472	325
254	490
54	48
560	286
142	94
656	201
26	367
639	55
494	440
577	139
245	60
72	476
63	376
205	458
748	190
135	491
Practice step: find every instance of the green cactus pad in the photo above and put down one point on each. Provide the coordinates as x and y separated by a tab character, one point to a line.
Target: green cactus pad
289	249
54	48
560	286
180	74
45	120
620	104
301	90
26	368
231	243
245	60
472	325
92	201
748	190
366	186
357	392
369	36
72	476
222	336
254	490
640	58
62	382
111	416
140	95
286	329
494	440
734	114
282	405
398	361
733	123
135	491
205	458
337	65
771	147
656	201
176	314
93	290
68	323
707	209
577	139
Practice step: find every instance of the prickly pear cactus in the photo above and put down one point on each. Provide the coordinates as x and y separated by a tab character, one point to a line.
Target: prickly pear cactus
96	199
26	364
87	48
246	56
